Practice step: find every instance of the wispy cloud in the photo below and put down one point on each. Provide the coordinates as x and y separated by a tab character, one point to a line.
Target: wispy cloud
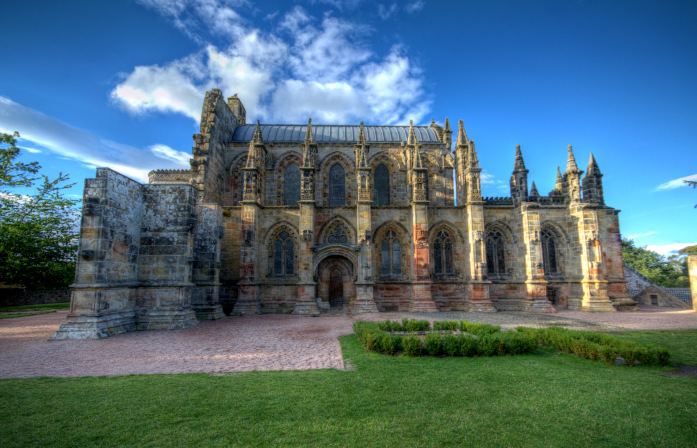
676	183
669	249
31	150
321	68
415	6
88	149
385	12
640	235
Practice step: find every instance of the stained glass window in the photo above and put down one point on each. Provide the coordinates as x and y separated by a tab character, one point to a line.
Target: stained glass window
337	185
549	252
381	186
283	255
443	254
391	254
291	186
495	254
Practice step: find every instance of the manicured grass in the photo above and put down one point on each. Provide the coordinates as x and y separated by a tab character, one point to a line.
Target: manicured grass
545	399
44	306
11	315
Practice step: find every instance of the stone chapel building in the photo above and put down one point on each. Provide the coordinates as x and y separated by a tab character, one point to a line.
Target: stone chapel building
310	219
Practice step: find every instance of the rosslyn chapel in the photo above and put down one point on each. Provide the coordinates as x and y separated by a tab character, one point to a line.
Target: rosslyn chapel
314	219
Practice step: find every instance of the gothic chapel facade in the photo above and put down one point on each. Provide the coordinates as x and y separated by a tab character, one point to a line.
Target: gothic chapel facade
311	219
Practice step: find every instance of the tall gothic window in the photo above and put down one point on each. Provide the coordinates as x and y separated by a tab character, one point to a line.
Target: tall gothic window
291	185
381	186
549	252
495	255
443	254
283	255
337	185
391	254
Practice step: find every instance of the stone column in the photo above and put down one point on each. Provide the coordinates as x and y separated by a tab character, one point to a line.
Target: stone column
478	287
535	283
364	302
692	269
248	300
593	283
307	288
422	300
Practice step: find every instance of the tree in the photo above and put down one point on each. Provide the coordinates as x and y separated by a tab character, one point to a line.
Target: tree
38	232
670	272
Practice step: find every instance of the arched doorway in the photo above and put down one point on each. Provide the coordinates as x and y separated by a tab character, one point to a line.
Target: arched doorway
336	287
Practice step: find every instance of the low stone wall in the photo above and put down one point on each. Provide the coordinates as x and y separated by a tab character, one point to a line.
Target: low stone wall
20	297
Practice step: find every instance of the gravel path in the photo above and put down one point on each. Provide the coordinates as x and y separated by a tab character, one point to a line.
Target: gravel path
244	343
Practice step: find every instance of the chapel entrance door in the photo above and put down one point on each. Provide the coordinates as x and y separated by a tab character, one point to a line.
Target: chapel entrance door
336	289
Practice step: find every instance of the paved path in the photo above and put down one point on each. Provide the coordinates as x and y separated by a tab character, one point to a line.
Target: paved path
235	344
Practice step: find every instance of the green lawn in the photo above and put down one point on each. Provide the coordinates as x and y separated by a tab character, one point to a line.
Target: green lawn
546	399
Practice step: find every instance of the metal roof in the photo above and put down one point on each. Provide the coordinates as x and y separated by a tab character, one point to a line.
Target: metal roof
295	133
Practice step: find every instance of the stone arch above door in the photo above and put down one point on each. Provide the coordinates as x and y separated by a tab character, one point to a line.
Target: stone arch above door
336	286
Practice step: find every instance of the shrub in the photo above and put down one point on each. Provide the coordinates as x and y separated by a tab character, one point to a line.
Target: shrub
486	345
389	344
662	356
450	346
416	325
477	328
445	325
630	354
608	354
467	345
412	345
433	344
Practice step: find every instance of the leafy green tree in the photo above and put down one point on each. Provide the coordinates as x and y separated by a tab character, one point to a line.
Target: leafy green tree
38	232
670	272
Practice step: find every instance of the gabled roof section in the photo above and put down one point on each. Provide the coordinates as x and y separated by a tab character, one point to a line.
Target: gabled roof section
275	133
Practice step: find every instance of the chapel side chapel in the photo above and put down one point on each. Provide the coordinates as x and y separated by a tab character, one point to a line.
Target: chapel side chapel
310	219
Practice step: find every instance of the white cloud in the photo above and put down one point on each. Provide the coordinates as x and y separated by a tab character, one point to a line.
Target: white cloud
88	149
385	12
31	150
669	249
325	69
339	4
676	183
415	6
640	235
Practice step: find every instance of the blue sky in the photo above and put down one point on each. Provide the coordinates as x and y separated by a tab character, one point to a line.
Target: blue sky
120	84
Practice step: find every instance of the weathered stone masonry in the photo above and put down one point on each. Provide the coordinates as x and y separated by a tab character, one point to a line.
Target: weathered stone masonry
314	219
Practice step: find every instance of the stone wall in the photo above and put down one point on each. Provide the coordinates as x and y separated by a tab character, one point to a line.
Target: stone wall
692	269
20	297
647	292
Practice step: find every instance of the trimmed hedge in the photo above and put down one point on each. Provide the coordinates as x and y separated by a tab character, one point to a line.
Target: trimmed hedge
594	346
490	341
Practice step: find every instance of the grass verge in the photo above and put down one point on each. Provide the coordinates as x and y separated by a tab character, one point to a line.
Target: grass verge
545	399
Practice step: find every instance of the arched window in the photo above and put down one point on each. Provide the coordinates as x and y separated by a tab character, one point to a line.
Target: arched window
283	255
391	254
443	254
495	254
338	235
337	185
291	185
549	252
381	186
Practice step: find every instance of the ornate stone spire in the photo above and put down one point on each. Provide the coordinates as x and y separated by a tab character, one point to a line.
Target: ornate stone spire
533	191
411	138
571	166
254	169
309	147
462	139
593	169
309	138
361	149
519	163
447	134
559	183
256	148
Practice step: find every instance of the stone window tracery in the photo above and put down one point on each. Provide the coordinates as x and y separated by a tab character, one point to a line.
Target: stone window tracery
338	235
283	255
549	252
391	254
495	253
443	254
381	186
291	193
337	185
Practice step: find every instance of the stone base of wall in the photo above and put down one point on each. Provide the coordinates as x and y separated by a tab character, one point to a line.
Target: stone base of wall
364	302
394	297
96	326
165	319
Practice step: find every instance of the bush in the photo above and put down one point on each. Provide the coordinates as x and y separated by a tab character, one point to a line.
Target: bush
487	345
608	354
412	346
432	343
662	356
389	344
478	329
449	345
445	325
467	345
